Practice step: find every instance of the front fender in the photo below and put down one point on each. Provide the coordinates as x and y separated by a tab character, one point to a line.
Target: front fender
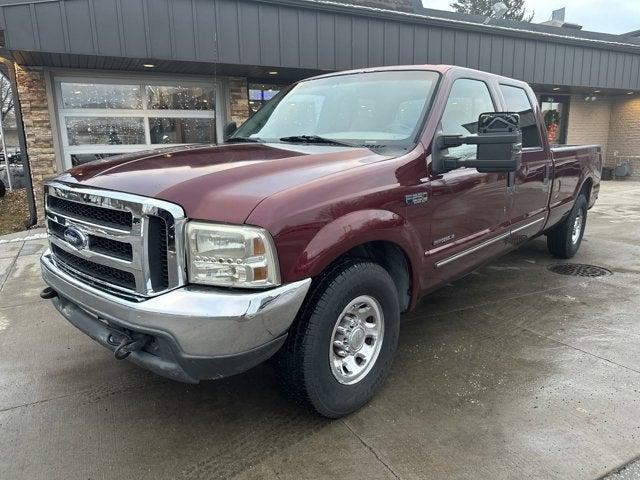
354	229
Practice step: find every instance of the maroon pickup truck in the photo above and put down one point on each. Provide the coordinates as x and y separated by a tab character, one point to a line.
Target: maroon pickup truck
317	223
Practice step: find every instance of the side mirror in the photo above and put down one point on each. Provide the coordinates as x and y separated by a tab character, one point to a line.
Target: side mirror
229	129
499	142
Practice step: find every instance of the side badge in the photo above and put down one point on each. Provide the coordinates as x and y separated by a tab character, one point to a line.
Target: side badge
440	241
416	198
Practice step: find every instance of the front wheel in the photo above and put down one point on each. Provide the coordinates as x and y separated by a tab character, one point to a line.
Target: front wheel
341	347
564	240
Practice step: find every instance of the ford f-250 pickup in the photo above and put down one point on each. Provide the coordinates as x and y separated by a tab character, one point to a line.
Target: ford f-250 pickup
316	224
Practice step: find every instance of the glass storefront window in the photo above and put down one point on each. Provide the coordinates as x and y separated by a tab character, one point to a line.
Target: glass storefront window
109	116
105	131
259	94
97	95
179	98
182	130
555	113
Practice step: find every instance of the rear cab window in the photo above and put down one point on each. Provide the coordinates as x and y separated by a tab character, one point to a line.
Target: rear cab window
517	100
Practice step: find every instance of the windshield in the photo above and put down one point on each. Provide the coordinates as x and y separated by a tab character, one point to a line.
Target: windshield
376	109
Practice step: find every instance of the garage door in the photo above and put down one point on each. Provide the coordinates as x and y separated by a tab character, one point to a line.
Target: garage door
98	118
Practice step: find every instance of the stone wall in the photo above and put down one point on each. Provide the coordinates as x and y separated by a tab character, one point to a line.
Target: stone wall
38	131
238	100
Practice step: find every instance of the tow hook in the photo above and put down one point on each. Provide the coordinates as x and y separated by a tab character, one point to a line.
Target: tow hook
131	344
48	293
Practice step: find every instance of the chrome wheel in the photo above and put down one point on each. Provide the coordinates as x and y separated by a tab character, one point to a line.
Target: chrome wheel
356	340
577	228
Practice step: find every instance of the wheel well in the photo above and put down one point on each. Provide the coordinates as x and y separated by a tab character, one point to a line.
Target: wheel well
390	257
586	189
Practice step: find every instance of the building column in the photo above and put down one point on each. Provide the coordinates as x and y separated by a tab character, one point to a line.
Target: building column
38	130
238	100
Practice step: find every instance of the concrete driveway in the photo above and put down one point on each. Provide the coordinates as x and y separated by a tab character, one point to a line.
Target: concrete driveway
512	372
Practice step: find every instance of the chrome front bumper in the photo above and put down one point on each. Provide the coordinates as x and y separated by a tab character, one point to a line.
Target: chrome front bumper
195	326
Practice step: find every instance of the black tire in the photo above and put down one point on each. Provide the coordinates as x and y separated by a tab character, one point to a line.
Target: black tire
3	189
304	365
560	240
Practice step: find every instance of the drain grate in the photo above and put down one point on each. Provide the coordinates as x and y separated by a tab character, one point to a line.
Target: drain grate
579	270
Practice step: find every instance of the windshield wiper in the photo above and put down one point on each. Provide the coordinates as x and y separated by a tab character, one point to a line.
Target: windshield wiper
314	139
243	140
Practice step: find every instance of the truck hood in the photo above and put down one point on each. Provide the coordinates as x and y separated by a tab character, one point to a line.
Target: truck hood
221	183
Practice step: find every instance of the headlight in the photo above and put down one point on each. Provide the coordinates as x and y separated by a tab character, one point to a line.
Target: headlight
231	256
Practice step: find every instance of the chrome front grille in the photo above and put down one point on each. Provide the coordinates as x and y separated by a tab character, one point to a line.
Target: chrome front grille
128	244
104	216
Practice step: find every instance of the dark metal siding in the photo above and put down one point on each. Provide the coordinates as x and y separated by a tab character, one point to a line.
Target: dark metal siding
311	37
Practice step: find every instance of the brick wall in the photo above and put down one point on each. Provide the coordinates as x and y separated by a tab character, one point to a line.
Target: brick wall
238	100
38	132
624	131
589	122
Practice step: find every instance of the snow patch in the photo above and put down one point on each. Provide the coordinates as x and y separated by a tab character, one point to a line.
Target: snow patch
4	323
35	236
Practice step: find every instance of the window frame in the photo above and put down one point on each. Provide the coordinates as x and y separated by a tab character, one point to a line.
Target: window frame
534	107
66	150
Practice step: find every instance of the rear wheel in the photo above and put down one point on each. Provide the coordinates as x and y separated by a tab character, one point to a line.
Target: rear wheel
342	345
564	240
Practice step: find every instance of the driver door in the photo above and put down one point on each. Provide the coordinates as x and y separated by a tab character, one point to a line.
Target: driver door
470	221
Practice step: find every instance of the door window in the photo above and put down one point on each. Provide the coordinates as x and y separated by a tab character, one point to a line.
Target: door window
99	118
517	100
467	100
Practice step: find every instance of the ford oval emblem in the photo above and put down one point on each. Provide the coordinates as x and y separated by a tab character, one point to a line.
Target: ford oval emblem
75	238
